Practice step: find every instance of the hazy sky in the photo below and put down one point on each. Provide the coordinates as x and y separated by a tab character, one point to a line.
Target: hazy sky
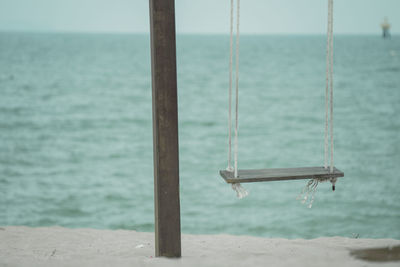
198	16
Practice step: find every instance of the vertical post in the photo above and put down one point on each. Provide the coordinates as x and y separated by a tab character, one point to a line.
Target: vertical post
165	129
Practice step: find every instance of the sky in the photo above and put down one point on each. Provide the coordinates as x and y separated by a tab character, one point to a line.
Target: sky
199	16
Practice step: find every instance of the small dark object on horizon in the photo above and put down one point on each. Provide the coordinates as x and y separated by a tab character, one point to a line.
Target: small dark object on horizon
385	28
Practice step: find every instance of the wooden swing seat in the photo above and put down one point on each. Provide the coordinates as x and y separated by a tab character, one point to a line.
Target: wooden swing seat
279	174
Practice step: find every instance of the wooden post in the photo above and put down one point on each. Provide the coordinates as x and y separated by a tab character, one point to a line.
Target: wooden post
165	129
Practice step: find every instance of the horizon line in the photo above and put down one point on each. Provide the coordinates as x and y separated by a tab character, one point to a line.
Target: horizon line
378	33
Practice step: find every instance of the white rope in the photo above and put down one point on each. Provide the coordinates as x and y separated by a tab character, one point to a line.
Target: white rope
331	83
311	186
240	191
329	90
328	41
237	86
307	194
229	168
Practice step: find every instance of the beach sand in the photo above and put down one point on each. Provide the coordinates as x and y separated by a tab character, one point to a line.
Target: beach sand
57	246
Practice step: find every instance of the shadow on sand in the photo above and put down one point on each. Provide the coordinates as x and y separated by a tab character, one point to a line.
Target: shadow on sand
377	254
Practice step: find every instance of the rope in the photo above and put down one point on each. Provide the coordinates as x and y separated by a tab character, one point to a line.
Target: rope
240	191
237	86
329	90
328	41
331	82
312	185
229	168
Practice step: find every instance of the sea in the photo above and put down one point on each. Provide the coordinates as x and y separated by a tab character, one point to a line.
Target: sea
76	140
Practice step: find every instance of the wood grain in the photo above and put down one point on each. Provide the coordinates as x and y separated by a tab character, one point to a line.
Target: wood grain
165	129
279	174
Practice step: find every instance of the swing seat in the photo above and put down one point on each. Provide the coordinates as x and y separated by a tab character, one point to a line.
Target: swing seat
280	174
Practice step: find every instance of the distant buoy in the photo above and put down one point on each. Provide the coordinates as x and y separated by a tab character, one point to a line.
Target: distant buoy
385	28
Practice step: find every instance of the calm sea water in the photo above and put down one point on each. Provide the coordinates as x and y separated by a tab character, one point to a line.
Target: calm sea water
76	133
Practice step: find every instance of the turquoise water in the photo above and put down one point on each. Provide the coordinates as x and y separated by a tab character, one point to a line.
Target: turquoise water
76	133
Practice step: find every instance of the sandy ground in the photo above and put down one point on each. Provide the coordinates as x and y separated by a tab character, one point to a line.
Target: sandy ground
57	246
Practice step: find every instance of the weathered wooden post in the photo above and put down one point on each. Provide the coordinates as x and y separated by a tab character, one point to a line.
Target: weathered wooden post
165	129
